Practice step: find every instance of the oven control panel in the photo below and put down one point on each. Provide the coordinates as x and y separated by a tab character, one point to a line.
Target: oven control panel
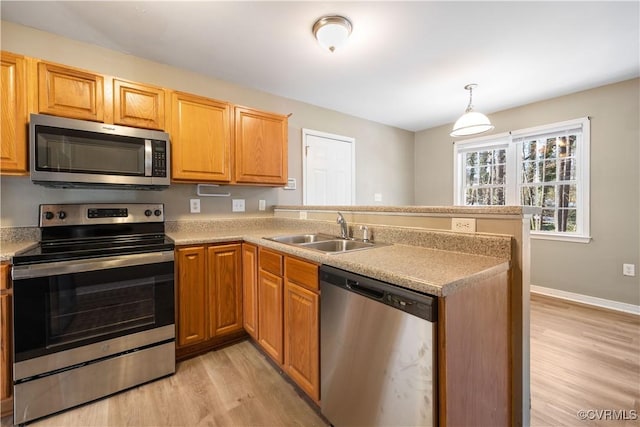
81	214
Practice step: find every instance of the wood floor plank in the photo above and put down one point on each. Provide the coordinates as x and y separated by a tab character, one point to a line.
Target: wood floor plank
583	358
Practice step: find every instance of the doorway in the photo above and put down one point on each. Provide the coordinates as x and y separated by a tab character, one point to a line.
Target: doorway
328	169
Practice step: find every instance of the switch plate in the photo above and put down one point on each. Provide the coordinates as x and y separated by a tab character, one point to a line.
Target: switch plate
262	205
237	205
194	205
291	184
628	270
465	225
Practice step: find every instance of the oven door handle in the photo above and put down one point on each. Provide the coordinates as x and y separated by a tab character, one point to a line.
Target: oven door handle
81	265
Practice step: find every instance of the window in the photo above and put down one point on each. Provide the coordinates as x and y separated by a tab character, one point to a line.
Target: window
545	166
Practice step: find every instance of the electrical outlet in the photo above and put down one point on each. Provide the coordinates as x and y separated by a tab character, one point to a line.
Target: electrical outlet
628	270
302	215
465	225
377	197
237	205
262	205
194	205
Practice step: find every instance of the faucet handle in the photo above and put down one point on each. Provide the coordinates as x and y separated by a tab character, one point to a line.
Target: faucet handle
365	233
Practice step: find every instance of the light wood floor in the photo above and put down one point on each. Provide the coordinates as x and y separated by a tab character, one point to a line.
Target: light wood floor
581	358
234	386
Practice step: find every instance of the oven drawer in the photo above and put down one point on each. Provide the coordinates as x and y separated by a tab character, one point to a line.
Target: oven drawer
53	393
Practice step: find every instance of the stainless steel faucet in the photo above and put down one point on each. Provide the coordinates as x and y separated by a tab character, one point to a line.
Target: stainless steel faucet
344	229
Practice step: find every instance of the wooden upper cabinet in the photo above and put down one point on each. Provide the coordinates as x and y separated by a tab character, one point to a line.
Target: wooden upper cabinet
201	139
70	92
260	147
13	95
138	105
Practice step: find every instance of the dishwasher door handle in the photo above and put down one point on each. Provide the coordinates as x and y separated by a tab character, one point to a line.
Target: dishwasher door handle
364	290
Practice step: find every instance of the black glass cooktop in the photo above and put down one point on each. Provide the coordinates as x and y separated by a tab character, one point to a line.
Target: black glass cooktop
70	249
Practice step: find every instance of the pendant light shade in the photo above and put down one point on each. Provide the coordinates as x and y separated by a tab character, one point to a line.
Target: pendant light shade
471	122
332	32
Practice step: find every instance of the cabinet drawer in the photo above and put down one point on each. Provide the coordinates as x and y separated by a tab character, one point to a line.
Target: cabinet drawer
303	273
270	261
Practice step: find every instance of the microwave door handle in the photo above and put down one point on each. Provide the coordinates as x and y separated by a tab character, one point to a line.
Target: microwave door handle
148	158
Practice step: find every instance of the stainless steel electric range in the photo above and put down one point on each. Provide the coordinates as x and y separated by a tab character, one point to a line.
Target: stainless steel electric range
93	306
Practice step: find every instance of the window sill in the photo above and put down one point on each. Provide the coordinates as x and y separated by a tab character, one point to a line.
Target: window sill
560	237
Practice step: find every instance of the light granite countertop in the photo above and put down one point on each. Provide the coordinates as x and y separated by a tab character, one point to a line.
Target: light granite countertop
431	271
424	269
9	249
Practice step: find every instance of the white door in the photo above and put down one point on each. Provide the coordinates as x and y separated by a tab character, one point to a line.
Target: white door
328	168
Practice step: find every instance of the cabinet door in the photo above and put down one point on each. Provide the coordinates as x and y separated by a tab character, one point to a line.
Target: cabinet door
270	314
6	332
138	105
69	92
301	338
250	289
13	95
260	147
192	295
224	279
201	139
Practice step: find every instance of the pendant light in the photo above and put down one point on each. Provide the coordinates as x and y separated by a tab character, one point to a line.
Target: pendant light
471	122
332	31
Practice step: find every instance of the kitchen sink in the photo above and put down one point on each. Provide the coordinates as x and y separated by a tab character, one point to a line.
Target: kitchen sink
324	243
296	239
339	245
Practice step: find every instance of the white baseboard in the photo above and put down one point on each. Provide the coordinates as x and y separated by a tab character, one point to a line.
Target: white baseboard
586	299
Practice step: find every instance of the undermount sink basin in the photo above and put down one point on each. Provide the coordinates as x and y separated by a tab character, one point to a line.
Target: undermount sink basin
296	239
339	245
324	242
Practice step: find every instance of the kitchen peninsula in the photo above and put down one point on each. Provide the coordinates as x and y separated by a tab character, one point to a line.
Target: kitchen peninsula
470	273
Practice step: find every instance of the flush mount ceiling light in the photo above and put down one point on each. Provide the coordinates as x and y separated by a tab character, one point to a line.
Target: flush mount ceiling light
471	122
332	31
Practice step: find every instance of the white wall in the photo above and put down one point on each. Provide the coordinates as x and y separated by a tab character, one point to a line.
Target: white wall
593	269
379	148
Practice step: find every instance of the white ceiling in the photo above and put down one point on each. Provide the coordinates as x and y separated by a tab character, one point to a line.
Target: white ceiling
405	65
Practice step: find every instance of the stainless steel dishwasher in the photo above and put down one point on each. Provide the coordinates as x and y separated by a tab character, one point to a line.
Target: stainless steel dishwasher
378	352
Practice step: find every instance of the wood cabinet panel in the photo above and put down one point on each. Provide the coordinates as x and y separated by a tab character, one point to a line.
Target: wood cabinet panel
192	295
260	147
201	139
302	273
270	261
6	333
70	92
225	290
302	338
14	115
138	105
270	314
250	289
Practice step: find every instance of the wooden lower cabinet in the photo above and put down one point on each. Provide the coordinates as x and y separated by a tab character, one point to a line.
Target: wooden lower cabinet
250	289
6	381
289	316
270	304
208	297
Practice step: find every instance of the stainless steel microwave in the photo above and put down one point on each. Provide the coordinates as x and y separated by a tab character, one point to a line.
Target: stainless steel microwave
77	153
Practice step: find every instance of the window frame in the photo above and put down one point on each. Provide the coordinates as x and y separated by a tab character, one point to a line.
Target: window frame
513	141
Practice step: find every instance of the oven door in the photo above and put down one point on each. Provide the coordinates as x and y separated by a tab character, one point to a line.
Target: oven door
64	305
